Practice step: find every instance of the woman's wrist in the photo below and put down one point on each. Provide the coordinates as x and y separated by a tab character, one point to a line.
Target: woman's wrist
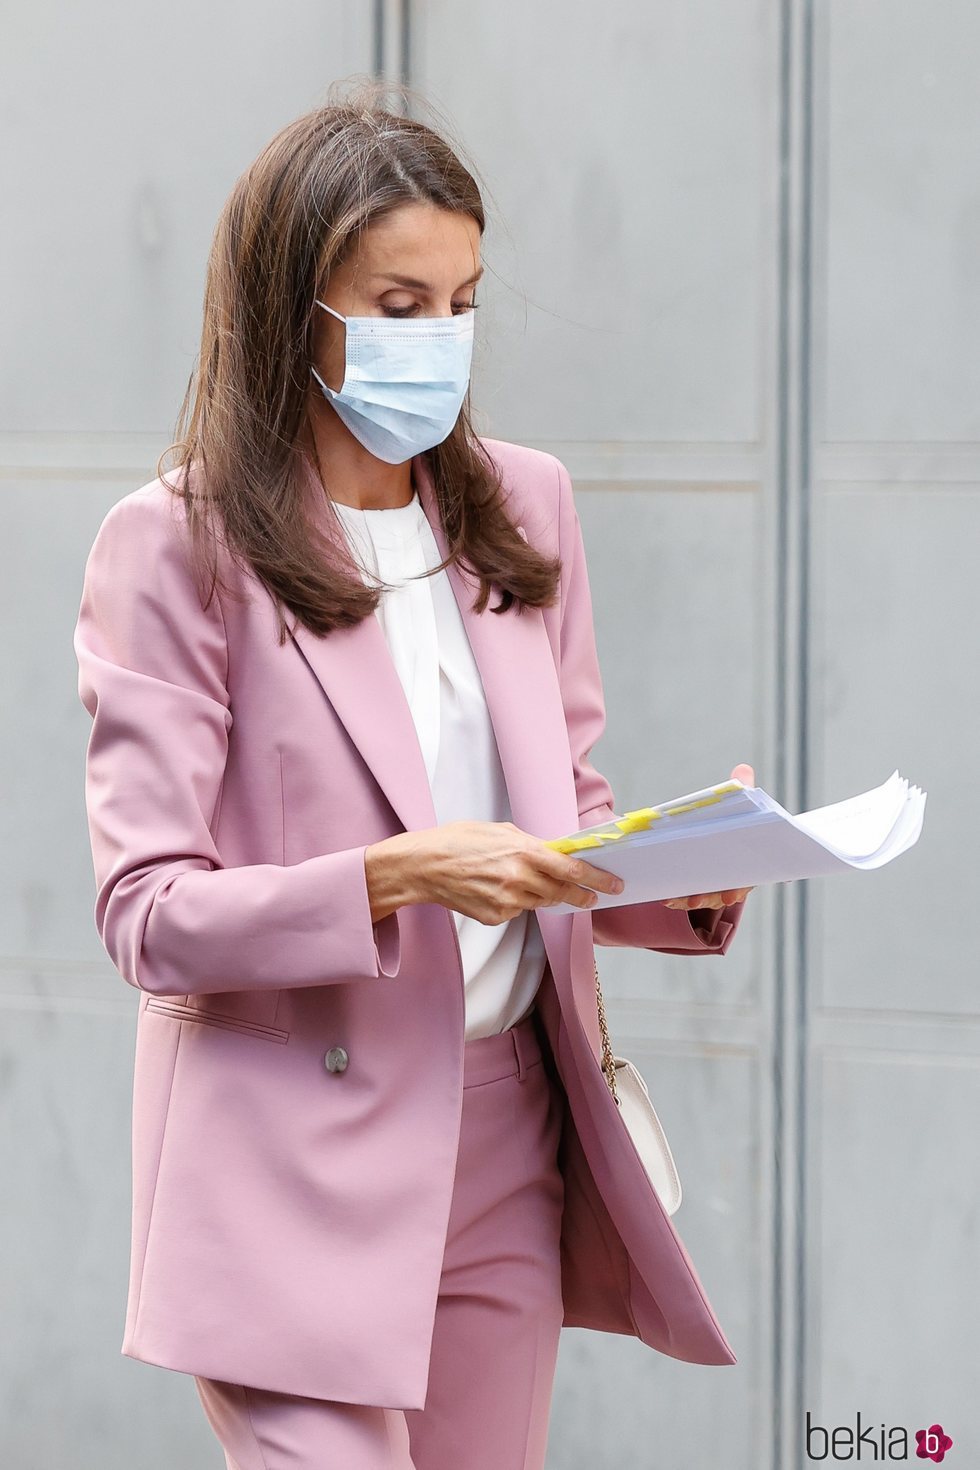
394	870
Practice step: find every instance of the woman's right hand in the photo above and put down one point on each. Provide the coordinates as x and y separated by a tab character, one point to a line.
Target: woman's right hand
490	871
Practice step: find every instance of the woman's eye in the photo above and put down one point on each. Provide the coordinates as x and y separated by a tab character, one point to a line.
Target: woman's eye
402	311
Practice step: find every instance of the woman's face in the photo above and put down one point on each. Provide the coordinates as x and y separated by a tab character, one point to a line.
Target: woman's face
419	260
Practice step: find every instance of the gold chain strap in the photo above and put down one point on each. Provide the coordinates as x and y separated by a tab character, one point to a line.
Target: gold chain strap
608	1064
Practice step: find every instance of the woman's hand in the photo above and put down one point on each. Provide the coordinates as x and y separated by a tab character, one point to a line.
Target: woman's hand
490	871
746	775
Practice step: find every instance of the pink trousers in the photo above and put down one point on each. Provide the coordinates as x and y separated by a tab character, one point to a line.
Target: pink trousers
499	1311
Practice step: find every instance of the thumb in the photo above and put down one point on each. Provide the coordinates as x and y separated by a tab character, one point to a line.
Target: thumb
745	774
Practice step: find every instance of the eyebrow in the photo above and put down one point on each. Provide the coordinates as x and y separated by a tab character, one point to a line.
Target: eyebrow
420	285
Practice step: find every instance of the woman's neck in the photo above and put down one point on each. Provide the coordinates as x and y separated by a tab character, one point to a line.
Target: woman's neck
349	473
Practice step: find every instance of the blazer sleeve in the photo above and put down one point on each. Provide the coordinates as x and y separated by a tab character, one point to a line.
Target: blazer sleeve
649	925
173	918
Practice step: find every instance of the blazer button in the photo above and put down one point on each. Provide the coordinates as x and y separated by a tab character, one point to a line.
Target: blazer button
336	1059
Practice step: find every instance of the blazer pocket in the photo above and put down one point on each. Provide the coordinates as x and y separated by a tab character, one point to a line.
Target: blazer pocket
180	1010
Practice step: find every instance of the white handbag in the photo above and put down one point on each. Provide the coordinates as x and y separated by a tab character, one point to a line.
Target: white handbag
639	1116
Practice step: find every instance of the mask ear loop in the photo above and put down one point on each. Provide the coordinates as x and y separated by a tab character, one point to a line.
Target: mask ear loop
313	370
325	386
331	310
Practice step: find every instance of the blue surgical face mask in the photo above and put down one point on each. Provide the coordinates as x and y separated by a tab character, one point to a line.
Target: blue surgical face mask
404	380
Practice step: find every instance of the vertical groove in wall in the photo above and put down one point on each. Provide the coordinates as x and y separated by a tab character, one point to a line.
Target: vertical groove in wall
791	743
803	665
792	715
405	58
379	38
393	41
780	706
780	669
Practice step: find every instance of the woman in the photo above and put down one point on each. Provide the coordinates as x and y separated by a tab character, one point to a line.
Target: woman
376	1167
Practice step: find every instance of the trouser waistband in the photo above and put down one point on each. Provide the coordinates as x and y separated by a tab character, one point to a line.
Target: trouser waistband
508	1054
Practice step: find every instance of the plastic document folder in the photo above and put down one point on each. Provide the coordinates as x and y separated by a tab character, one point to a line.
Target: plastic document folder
735	836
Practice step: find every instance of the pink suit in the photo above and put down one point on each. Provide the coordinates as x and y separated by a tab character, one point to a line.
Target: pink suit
298	1077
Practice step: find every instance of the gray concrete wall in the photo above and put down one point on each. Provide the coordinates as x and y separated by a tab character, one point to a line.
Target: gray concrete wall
734	282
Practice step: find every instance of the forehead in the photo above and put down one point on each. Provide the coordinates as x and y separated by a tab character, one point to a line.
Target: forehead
420	241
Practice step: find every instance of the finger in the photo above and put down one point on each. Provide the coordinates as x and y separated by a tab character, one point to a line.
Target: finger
537	890
564	869
551	893
589	876
574	893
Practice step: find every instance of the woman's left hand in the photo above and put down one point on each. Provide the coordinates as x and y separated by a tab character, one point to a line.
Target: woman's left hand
746	775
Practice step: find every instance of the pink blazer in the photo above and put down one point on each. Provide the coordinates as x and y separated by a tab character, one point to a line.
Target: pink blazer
289	1221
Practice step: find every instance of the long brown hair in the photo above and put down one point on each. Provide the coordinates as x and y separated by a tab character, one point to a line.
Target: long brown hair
290	218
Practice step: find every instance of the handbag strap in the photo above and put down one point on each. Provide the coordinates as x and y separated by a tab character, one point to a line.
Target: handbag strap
608	1062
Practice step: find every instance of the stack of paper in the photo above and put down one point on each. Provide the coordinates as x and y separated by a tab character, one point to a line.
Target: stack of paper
735	836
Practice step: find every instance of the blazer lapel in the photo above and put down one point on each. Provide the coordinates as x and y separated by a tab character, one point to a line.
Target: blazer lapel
356	672
513	654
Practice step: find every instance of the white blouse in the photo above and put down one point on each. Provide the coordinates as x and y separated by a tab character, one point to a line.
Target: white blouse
502	963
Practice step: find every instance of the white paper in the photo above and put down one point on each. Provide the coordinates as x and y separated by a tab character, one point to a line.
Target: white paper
735	836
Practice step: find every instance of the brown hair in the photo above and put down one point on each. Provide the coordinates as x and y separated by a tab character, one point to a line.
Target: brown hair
292	216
